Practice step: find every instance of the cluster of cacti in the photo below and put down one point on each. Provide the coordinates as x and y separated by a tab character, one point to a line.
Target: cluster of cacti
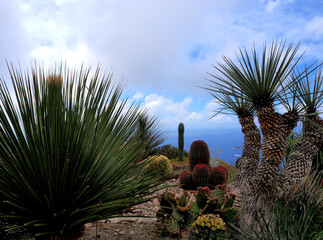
215	202
178	216
175	214
200	172
159	166
181	142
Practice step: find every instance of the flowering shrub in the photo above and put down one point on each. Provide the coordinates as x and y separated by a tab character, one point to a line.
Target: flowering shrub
209	226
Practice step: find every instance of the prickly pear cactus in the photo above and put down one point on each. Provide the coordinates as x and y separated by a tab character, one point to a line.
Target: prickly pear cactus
171	225
174	213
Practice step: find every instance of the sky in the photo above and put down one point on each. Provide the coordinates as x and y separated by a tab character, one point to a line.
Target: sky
161	49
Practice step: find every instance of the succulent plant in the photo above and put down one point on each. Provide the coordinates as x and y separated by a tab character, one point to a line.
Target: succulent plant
225	170
199	153
159	166
201	174
181	142
186	180
217	177
175	214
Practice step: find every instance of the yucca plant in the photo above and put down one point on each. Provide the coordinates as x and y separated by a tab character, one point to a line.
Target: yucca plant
264	82
300	217
67	152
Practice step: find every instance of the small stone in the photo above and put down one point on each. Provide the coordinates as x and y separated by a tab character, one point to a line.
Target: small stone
132	232
122	232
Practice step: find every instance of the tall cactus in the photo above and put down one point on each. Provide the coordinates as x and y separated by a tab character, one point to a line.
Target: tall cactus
199	153
181	142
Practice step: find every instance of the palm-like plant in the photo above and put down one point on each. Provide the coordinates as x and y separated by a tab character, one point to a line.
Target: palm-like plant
264	82
67	152
148	134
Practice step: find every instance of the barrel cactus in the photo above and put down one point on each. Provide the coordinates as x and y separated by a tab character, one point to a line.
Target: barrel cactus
199	153
218	176
200	173
186	180
159	166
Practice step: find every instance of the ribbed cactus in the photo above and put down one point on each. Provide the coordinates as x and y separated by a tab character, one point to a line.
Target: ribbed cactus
186	180
201	174
225	170
199	153
218	176
181	142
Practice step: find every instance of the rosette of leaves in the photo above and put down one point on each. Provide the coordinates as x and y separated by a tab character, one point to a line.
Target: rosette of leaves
67	153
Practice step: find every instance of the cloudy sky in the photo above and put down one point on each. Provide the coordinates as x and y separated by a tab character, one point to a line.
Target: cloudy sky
162	49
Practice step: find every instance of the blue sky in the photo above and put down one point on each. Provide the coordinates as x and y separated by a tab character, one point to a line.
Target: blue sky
162	49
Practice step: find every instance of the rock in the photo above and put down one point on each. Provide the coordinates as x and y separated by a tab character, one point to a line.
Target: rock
122	232
132	232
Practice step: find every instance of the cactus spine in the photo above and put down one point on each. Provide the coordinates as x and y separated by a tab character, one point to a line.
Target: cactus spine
199	153
181	142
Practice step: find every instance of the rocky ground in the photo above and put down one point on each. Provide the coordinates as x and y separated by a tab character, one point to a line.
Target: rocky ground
130	226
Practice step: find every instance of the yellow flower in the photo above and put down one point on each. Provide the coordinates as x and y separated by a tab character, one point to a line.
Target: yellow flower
196	231
202	224
208	225
194	224
213	228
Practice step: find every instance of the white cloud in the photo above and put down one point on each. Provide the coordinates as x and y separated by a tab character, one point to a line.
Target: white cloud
194	116
172	112
271	5
315	27
138	96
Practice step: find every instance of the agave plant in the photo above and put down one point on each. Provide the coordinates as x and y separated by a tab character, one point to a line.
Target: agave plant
265	81
67	152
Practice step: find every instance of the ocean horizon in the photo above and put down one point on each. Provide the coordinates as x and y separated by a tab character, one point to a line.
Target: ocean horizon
226	144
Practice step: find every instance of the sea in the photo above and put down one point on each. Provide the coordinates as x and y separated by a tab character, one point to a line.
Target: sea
224	144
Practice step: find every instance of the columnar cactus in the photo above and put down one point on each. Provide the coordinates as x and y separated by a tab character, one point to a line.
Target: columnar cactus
181	142
199	153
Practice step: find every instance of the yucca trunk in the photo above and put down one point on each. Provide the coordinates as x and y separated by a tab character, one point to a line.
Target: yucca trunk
273	151
247	166
300	161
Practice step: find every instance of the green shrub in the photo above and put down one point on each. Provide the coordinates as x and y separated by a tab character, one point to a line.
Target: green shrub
67	153
159	166
169	151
